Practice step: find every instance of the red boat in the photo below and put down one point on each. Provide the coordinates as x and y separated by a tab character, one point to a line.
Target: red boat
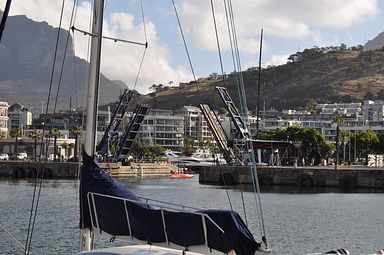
181	176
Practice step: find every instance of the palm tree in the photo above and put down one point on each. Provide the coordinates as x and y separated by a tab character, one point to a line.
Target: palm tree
77	132
16	133
55	133
36	135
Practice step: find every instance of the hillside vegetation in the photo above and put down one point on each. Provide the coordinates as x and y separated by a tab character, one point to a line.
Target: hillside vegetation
316	77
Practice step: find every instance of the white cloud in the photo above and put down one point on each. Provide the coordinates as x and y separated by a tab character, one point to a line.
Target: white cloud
285	19
119	61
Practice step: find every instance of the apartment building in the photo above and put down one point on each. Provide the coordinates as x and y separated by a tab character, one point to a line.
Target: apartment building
163	128
373	111
195	125
19	117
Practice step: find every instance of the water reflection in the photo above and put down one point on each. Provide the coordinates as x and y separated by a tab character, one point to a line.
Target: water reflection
290	189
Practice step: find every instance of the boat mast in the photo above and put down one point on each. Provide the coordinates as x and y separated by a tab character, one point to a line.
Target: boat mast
86	242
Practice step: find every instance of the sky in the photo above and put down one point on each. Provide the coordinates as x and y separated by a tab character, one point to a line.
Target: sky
289	26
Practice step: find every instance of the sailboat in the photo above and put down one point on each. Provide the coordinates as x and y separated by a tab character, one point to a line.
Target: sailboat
108	207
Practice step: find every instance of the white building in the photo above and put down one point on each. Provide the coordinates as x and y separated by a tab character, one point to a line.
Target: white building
373	111
347	109
163	128
195	125
19	117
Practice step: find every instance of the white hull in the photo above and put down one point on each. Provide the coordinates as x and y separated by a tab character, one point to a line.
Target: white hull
149	249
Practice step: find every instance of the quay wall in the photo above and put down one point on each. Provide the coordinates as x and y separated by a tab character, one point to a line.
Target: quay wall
343	177
29	169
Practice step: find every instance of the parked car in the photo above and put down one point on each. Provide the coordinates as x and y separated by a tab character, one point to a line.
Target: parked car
4	156
21	156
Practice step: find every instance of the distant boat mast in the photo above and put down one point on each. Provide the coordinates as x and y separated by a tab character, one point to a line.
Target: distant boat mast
258	87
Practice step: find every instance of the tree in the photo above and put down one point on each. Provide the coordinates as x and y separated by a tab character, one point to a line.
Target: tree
156	150
139	150
36	135
55	133
312	143
77	132
311	105
223	110
367	141
16	133
188	148
343	47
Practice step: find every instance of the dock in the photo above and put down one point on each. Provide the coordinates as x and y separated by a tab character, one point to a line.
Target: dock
321	176
70	170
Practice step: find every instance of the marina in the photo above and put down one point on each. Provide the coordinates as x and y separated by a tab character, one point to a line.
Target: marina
299	220
231	184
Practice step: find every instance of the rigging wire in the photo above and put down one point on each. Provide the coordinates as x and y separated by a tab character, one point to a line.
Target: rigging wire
231	40
18	243
232	50
238	70
186	50
143	17
146	45
248	141
4	17
223	77
218	48
197	86
74	61
35	204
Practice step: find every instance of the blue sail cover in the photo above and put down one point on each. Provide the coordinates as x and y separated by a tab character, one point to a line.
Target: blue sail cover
147	224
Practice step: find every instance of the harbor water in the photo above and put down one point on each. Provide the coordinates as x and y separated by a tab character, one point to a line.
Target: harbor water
296	221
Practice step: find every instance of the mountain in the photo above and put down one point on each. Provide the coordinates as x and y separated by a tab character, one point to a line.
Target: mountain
317	75
329	75
26	57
